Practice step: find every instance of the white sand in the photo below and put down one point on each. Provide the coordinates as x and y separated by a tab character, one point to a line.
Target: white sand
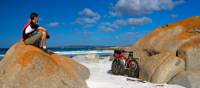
100	78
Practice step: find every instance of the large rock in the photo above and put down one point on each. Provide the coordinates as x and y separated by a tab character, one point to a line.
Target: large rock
25	66
168	38
166	46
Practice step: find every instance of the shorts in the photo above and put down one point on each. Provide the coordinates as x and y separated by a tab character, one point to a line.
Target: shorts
34	40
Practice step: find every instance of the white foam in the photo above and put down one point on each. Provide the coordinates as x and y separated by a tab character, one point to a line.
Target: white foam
84	52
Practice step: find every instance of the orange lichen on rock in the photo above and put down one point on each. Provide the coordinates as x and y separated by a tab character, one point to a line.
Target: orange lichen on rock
162	33
191	22
184	35
192	43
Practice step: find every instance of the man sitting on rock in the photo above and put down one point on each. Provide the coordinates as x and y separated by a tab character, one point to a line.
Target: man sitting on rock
33	34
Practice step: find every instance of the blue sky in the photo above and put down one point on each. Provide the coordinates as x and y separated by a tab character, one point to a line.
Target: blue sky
92	22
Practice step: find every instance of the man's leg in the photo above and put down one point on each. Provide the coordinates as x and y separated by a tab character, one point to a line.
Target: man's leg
44	34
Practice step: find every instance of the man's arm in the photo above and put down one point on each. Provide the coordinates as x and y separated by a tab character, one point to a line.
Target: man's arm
41	29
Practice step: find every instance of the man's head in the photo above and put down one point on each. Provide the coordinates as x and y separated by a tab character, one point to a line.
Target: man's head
34	17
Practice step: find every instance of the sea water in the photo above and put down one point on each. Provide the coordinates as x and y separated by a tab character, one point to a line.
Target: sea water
71	51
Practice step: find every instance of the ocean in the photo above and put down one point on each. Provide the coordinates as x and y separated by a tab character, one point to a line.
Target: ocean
73	51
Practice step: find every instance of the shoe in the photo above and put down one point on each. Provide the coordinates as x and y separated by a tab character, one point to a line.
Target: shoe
45	50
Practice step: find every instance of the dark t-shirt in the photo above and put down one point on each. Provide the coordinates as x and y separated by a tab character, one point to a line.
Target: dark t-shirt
34	26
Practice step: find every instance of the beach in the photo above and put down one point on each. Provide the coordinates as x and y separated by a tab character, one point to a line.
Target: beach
100	77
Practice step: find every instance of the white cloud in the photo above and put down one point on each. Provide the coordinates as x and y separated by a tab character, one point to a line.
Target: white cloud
54	24
88	13
106	26
87	17
142	7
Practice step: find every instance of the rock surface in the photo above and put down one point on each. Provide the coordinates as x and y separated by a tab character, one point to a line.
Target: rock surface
190	53
169	50
161	67
25	66
189	79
